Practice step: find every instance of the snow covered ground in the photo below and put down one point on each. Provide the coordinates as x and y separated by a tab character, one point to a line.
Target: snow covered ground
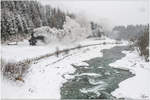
45	77
137	87
24	51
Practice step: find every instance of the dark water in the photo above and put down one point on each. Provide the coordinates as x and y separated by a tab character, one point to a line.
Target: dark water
97	86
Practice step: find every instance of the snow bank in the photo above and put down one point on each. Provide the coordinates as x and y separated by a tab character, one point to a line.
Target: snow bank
89	74
81	64
137	87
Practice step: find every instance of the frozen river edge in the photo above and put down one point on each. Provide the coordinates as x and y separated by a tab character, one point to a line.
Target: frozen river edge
136	87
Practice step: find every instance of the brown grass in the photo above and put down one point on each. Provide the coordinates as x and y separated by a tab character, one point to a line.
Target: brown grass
13	70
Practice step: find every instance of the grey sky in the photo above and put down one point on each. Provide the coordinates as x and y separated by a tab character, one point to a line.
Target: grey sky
116	12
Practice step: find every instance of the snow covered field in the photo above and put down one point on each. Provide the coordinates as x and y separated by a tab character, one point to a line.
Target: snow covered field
137	87
24	51
45	77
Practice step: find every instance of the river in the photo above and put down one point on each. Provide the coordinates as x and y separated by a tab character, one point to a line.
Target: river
97	80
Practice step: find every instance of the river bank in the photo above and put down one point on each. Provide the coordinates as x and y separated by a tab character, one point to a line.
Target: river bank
44	78
136	87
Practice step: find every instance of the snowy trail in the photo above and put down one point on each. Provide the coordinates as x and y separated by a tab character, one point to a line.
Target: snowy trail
137	87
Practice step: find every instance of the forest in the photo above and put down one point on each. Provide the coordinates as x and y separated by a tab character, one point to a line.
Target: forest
19	18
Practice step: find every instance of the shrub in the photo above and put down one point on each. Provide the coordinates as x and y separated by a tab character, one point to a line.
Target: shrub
13	70
143	45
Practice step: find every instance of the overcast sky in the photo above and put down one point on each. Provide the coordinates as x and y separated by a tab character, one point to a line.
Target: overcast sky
116	12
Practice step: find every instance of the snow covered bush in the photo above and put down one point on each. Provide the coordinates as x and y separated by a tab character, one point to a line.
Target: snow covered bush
50	34
14	70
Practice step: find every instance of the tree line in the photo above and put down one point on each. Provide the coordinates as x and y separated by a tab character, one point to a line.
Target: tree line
20	17
128	32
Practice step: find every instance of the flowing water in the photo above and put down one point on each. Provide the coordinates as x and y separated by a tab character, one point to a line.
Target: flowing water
98	80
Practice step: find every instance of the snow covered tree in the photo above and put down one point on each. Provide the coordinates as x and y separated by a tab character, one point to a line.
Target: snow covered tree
143	44
74	30
97	30
19	17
